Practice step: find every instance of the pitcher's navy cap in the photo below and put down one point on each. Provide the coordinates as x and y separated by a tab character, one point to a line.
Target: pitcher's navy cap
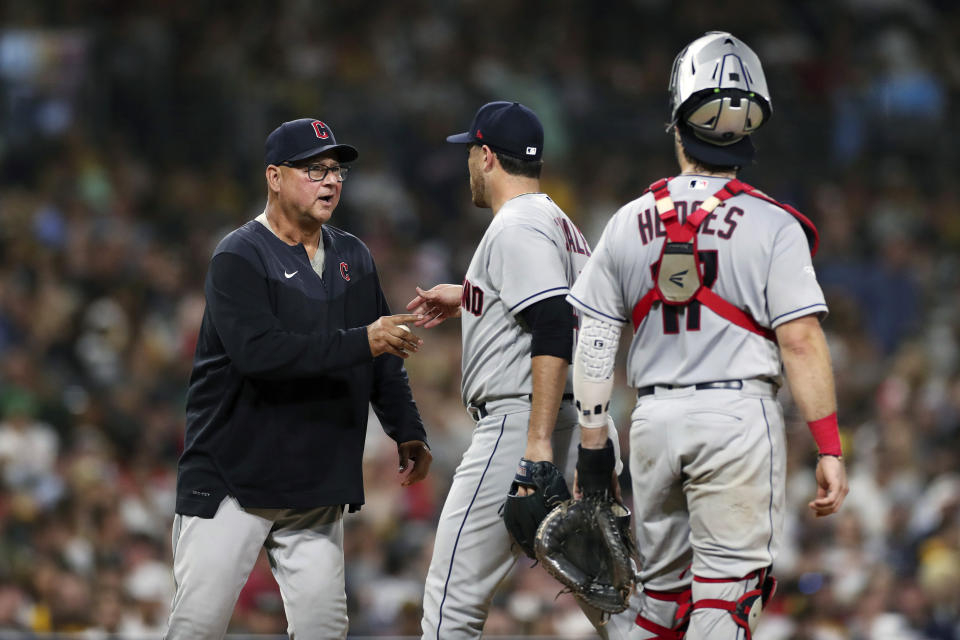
304	138
506	127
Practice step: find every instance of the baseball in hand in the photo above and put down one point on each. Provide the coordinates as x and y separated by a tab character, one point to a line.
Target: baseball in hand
407	329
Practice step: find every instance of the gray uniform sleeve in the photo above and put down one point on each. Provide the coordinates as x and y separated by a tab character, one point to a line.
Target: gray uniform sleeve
792	288
525	267
598	291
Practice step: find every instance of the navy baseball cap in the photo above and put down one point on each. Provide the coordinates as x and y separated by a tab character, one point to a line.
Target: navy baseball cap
737	154
507	127
302	139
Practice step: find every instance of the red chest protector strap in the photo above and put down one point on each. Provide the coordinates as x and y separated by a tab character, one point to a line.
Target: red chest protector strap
687	232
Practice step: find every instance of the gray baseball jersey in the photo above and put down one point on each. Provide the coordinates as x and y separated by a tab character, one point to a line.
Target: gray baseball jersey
531	251
754	255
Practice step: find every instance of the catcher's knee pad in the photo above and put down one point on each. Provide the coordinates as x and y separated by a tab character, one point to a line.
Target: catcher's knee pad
664	601
746	609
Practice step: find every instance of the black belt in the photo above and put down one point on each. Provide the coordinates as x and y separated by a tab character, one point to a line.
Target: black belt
716	384
479	410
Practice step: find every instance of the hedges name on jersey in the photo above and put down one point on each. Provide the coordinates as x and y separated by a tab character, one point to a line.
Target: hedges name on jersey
729	241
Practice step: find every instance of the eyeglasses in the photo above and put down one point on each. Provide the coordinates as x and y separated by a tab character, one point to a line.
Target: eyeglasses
318	172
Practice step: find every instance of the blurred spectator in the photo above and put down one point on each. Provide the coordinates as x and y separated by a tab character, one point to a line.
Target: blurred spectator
127	133
28	449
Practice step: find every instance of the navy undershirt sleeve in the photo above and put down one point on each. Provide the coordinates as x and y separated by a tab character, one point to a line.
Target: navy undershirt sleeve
551	321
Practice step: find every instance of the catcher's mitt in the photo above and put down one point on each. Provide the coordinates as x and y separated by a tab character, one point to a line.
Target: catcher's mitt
587	544
523	514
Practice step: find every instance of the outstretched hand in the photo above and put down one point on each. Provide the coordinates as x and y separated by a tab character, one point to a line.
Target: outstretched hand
436	304
416	452
832	486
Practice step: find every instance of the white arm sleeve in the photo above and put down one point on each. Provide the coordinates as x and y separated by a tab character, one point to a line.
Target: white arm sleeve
593	365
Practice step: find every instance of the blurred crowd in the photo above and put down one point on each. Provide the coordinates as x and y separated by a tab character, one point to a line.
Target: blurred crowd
131	141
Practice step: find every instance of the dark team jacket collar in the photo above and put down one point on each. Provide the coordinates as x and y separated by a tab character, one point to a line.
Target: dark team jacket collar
331	258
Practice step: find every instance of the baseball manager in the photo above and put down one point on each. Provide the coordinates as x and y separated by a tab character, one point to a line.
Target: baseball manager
296	343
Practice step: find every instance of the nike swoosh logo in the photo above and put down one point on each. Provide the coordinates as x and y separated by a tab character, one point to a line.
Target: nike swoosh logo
290	275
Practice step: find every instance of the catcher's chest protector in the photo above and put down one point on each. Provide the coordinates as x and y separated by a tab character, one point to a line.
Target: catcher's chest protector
679	274
679	277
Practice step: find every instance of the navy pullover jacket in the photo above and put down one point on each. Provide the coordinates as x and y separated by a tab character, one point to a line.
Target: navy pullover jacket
283	377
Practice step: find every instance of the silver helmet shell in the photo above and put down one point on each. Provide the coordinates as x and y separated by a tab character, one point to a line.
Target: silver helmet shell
718	89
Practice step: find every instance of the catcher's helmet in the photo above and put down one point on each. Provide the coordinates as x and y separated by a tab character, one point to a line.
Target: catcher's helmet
718	97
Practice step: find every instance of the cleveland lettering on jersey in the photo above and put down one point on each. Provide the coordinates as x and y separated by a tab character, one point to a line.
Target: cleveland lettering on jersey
472	298
651	226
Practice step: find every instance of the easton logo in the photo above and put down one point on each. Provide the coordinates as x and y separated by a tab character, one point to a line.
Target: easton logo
677	278
322	131
345	271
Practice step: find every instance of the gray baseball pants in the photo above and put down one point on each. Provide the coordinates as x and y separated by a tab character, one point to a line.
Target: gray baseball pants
708	470
212	558
472	552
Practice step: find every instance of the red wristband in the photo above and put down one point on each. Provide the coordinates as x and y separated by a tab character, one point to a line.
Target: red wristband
826	433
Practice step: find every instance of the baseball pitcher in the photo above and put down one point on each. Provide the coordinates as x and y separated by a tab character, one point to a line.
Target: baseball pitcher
518	336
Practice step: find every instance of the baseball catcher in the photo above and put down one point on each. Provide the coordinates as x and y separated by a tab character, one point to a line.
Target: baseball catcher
720	315
586	543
